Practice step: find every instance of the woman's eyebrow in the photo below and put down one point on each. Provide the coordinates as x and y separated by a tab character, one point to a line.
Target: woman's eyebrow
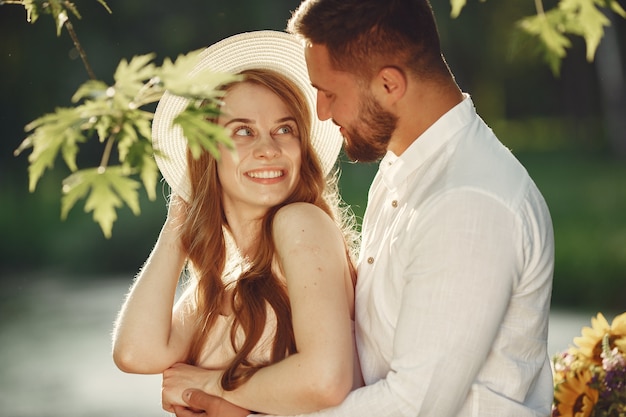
286	119
239	120
251	121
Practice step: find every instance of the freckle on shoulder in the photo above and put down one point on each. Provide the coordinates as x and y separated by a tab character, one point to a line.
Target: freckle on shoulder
296	215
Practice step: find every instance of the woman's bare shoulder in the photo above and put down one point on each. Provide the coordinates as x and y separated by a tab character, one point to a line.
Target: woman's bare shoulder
295	210
302	218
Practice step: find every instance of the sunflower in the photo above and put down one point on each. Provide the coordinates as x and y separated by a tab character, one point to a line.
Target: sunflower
619	324
590	343
574	397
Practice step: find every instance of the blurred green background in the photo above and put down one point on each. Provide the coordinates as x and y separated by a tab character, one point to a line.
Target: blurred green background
570	132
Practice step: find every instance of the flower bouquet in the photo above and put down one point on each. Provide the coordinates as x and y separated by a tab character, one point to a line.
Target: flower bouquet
590	378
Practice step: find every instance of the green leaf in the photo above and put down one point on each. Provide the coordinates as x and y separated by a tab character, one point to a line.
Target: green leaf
126	138
92	89
139	158
134	133
586	20
59	15
104	126
552	42
201	133
125	187
99	114
105	189
181	78
52	133
32	10
130	75
457	6
143	124
74	189
68	5
615	6
56	8
106	6
149	175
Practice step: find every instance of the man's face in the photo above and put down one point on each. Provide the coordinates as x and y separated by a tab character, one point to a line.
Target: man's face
364	124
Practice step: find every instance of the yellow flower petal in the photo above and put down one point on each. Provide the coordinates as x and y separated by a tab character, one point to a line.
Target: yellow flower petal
589	344
599	322
575	397
619	325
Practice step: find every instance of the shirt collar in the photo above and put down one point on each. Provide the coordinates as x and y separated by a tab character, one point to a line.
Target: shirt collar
395	169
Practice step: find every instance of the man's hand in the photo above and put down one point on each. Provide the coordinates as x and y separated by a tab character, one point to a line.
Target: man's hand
184	393
201	404
181	377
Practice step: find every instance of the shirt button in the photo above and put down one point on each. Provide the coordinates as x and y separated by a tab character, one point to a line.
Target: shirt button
370	260
394	203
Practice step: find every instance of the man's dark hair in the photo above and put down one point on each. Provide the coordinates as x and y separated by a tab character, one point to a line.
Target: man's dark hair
363	36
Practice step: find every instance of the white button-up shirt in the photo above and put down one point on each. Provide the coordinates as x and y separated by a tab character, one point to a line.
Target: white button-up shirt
454	281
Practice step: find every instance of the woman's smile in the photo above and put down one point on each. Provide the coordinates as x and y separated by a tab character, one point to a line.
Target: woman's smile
265	174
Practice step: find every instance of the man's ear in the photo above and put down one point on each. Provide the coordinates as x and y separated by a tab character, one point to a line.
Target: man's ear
390	85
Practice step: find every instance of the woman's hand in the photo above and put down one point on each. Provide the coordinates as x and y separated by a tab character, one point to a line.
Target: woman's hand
176	214
180	377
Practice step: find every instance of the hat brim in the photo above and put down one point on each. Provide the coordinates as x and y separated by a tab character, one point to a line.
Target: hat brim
273	50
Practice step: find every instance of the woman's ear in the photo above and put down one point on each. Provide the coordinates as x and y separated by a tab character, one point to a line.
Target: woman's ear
390	85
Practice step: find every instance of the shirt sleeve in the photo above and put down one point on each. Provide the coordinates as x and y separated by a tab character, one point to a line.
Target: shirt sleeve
461	259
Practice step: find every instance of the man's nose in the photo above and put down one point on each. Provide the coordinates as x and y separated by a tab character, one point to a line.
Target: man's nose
323	107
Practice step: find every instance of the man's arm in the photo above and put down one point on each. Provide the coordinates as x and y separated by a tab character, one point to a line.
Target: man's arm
457	288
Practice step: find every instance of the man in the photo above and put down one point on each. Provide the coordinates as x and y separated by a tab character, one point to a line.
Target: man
455	272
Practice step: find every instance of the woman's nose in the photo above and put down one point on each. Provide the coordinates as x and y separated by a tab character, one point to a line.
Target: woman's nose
267	147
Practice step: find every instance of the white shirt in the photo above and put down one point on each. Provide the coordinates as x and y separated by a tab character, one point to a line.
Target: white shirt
454	281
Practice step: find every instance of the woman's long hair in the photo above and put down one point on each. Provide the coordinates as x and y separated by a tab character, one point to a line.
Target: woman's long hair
257	288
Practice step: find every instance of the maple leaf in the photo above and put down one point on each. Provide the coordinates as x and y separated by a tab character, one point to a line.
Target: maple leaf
52	133
586	20
182	78
548	28
105	190
130	75
200	133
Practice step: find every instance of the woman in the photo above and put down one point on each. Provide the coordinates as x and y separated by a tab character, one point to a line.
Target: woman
267	252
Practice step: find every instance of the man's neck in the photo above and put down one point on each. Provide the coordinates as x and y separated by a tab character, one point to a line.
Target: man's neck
419	110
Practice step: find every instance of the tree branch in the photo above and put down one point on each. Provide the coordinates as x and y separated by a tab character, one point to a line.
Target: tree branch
83	56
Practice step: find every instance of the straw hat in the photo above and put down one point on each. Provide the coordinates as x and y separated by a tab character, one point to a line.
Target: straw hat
278	51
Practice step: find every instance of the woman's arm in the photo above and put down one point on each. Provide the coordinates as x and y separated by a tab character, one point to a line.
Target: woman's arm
147	337
312	256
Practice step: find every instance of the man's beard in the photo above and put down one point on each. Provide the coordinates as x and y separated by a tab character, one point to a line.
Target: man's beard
368	141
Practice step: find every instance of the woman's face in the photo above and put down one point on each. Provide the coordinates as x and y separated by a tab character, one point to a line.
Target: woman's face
265	167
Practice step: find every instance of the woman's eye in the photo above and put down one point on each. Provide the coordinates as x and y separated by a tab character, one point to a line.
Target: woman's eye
243	131
284	130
